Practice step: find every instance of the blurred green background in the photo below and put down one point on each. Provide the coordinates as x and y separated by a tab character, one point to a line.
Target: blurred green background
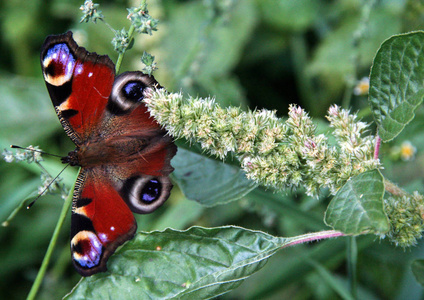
249	53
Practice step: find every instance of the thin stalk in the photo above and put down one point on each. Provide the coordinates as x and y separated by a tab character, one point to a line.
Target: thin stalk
394	189
347	96
352	257
42	271
299	53
193	53
121	55
314	236
358	38
377	146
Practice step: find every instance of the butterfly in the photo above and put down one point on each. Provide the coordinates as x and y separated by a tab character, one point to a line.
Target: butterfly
123	152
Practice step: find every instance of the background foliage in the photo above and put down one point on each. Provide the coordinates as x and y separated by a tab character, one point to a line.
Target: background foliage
264	54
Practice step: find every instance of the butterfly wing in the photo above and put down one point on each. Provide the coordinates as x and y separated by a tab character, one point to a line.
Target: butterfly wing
124	154
135	178
142	177
79	84
101	221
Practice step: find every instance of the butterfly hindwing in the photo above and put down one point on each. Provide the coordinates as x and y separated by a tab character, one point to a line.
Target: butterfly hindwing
145	185
101	221
123	153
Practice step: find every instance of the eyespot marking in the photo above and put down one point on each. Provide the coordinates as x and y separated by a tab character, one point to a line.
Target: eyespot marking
86	249
151	191
134	91
144	193
58	65
128	91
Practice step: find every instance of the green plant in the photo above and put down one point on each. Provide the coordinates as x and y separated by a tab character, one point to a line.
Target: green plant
279	154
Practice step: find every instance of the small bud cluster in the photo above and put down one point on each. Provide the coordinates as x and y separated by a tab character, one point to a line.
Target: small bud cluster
90	12
52	185
272	152
141	20
33	154
149	61
122	41
406	216
30	155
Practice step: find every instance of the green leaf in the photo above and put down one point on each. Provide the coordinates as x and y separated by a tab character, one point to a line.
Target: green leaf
179	215
340	47
358	205
290	15
208	181
418	270
198	263
396	83
20	96
205	43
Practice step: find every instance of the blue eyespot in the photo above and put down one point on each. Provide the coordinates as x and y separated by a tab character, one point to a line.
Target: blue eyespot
59	61
86	249
133	91
151	191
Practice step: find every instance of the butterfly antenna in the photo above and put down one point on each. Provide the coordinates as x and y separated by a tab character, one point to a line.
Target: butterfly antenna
47	187
34	150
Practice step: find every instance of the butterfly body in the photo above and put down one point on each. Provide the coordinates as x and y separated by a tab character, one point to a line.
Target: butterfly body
123	153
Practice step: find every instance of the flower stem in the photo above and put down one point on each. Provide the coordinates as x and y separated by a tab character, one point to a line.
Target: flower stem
121	55
42	271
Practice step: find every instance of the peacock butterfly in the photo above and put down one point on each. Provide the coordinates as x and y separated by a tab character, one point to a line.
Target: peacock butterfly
123	153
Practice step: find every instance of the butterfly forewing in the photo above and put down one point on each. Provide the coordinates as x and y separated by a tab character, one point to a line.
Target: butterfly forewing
79	84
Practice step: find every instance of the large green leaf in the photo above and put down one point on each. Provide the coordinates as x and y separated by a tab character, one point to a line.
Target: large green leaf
396	83
358	205
198	263
208	181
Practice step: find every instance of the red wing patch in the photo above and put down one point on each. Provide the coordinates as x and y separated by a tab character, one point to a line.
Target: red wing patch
101	221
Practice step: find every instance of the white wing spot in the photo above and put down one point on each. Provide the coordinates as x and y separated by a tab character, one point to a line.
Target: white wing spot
103	237
112	228
79	69
96	244
69	67
90	74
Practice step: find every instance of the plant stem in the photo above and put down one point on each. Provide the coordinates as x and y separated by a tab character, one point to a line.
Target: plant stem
42	271
394	189
314	236
350	84
377	146
299	52
193	53
121	55
352	256
358	37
